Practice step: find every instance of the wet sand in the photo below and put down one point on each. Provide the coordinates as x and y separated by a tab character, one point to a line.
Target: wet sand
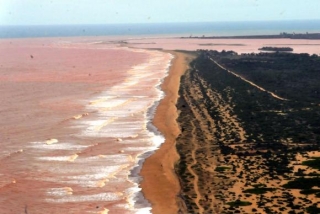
160	184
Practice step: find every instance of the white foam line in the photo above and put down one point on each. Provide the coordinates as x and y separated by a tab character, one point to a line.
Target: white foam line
135	149
113	133
90	177
65	170
51	141
70	158
110	159
62	191
108	196
101	99
104	123
108	104
85	178
59	146
145	210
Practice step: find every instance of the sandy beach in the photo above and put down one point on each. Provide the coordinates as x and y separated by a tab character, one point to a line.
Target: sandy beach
160	184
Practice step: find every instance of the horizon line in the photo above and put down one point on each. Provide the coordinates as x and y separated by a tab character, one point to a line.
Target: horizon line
146	23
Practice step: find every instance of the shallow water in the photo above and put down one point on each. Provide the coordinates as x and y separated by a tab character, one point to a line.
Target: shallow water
74	123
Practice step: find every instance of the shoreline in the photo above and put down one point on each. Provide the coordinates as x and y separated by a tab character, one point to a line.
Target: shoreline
160	185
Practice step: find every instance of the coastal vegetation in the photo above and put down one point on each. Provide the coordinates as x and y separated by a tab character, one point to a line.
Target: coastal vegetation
303	183
258	190
222	168
276	49
238	203
313	210
250	133
314	163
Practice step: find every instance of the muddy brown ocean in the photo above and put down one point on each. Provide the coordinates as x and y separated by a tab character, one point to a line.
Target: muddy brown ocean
74	119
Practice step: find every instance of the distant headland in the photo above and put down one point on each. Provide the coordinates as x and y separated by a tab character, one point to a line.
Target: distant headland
283	35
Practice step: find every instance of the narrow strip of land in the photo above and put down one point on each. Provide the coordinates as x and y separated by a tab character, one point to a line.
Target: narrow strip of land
160	184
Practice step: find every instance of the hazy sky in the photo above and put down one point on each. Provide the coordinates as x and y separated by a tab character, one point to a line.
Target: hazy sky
16	12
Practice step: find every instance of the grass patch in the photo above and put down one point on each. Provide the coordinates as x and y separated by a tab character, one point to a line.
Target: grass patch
262	190
239	203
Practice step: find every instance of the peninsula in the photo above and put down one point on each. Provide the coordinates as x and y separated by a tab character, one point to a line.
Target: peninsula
283	35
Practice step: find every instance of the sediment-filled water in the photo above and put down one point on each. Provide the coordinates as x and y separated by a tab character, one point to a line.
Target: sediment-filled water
75	122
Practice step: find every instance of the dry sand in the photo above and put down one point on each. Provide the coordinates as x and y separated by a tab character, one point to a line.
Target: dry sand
160	184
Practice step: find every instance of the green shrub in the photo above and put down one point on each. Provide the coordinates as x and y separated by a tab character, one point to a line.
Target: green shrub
221	168
303	183
309	191
313	210
262	190
315	163
238	203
